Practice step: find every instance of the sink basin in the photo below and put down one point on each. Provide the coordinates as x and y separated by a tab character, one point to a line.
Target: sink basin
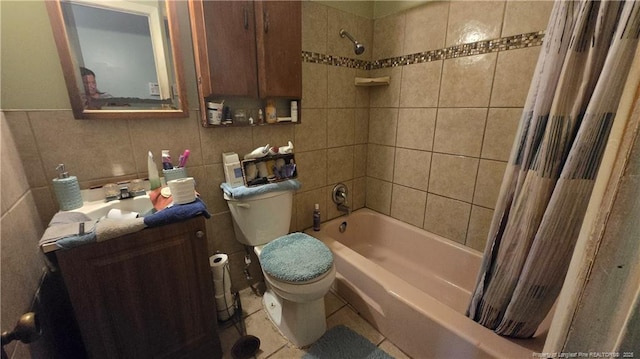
98	209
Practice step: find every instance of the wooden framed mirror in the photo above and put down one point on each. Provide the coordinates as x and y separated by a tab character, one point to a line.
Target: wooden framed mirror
120	59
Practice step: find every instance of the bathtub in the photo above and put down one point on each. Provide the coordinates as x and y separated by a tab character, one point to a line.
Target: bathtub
414	287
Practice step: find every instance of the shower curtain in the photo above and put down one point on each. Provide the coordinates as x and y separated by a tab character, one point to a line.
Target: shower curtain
578	81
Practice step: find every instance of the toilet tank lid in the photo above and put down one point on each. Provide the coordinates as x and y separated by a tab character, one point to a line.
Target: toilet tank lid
248	192
296	257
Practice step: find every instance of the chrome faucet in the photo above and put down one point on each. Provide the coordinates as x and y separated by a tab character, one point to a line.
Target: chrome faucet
123	190
340	193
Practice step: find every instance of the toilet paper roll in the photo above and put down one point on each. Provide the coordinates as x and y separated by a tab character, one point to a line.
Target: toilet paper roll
115	213
183	190
224	300
225	314
225	306
222	285
219	266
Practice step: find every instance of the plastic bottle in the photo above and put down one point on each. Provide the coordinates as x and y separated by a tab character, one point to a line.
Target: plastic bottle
166	160
270	110
154	178
316	218
294	111
260	117
67	190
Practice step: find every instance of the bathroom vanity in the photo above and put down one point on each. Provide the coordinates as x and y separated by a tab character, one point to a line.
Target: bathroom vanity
145	295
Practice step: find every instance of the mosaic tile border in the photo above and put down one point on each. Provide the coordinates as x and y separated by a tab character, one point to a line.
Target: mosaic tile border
475	48
318	58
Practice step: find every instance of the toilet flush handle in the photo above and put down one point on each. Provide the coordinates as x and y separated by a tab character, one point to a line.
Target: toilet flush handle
244	205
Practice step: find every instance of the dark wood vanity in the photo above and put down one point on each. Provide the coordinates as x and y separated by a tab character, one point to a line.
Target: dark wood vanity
145	295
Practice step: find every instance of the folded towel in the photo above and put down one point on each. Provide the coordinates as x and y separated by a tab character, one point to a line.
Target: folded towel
77	240
106	228
67	224
243	191
109	228
64	217
65	228
177	213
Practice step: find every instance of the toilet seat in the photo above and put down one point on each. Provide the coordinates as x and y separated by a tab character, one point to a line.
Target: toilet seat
310	281
296	258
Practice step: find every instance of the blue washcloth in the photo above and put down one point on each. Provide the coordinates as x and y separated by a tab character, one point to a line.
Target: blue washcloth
296	257
177	213
243	191
67	225
74	241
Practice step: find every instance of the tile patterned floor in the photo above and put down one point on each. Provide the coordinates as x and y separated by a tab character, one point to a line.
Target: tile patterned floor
275	346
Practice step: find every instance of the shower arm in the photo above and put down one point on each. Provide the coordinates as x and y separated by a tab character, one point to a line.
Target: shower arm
358	48
343	33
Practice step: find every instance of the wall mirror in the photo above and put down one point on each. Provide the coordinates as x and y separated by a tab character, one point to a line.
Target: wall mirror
118	58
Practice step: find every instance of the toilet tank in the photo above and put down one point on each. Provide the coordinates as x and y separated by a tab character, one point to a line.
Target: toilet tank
257	220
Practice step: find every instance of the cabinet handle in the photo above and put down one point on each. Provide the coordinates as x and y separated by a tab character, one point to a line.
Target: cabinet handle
199	234
265	17
245	14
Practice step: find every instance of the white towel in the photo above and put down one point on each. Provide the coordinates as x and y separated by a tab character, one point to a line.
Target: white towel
109	228
66	224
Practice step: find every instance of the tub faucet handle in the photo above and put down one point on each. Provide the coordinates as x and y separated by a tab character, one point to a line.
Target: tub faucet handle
340	193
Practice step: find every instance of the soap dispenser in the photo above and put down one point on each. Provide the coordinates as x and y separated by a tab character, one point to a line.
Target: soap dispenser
67	190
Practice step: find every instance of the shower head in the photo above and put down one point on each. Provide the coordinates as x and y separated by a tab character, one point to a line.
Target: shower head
358	48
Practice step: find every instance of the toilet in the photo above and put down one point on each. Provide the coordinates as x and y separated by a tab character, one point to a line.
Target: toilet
298	268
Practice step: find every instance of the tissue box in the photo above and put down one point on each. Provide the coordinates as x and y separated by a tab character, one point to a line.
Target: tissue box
232	171
269	169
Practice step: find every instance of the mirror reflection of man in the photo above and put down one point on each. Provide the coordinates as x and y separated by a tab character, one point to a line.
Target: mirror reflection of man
92	97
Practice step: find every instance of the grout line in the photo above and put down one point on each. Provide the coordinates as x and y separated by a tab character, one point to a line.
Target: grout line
32	132
435	124
276	351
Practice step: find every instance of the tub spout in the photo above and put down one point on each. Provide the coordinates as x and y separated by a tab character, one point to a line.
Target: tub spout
344	208
340	193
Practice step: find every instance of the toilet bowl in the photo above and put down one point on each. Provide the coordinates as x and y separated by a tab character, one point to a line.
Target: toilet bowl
298	269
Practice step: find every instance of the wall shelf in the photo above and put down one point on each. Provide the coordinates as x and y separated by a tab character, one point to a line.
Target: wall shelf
372	81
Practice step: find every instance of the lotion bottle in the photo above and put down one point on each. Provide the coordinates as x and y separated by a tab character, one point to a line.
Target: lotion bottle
67	190
154	178
316	218
270	110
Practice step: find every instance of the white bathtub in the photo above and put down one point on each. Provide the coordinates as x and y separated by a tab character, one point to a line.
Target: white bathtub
414	287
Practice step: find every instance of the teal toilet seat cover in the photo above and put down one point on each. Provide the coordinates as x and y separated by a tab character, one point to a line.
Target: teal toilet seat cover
296	257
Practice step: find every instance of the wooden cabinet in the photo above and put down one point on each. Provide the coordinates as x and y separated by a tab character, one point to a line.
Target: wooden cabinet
279	48
247	48
226	48
145	295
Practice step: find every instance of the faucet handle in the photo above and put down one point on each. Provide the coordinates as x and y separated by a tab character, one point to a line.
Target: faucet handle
340	192
124	192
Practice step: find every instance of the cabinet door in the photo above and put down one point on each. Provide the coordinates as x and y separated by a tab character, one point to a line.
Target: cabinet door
230	48
279	44
145	295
